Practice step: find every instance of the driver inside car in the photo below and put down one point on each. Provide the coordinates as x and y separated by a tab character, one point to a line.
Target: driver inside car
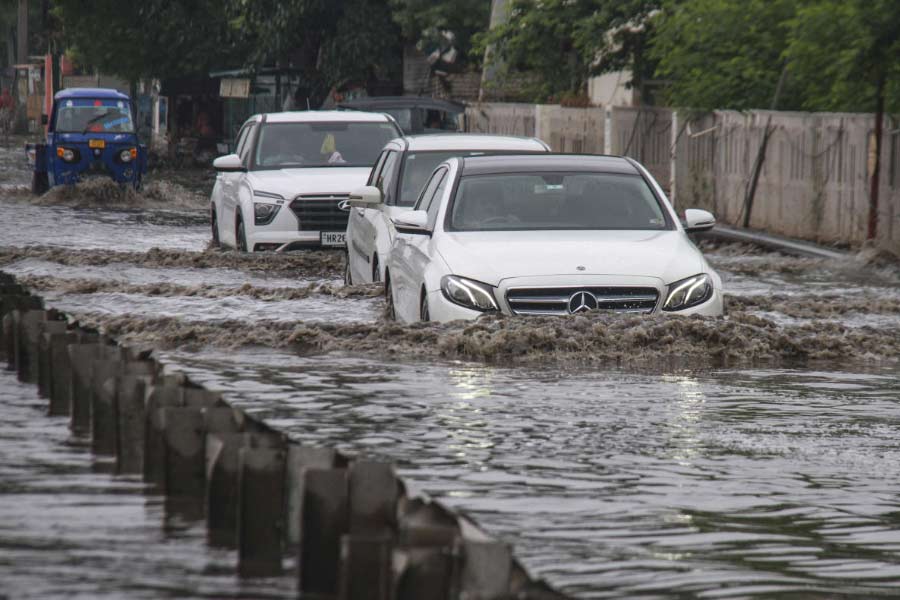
329	150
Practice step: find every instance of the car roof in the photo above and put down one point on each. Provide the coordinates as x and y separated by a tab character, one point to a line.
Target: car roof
327	116
524	163
385	102
471	141
94	93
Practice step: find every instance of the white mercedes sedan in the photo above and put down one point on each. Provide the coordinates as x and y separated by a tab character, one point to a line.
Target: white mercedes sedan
546	235
287	183
394	185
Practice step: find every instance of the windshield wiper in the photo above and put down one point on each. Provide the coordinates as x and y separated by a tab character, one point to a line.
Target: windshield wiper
94	120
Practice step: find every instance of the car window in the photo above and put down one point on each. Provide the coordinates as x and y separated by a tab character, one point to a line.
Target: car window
321	144
248	144
241	139
385	180
434	205
428	191
376	170
555	200
418	166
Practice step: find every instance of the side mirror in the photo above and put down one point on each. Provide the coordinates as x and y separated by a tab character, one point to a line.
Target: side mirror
413	221
696	220
229	163
365	197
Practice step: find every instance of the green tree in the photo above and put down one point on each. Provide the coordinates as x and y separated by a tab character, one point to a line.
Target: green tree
564	43
723	53
419	20
152	38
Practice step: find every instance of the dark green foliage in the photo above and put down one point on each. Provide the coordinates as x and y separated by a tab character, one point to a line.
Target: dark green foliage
420	20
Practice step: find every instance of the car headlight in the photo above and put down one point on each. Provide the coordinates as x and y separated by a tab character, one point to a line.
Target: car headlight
468	293
263	214
128	155
689	292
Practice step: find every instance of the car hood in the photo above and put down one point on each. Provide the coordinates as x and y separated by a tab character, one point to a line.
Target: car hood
327	180
492	257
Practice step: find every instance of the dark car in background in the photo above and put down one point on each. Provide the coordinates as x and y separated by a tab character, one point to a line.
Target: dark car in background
414	114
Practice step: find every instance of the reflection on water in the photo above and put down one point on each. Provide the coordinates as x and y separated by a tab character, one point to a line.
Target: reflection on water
69	530
733	483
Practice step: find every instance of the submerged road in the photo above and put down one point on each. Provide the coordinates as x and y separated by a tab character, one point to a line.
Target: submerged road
750	456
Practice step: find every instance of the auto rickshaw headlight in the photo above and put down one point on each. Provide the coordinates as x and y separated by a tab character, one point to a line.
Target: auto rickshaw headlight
128	155
67	154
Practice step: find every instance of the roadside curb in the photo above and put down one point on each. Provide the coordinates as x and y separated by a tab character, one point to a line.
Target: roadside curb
773	242
347	520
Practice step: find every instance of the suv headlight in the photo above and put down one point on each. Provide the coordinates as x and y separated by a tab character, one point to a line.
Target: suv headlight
468	293
263	214
689	292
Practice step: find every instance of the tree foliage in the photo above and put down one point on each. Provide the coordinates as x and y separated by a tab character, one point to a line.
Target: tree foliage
730	53
564	43
151	38
420	20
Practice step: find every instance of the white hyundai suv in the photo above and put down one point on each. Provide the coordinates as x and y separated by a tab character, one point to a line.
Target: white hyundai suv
394	184
287	183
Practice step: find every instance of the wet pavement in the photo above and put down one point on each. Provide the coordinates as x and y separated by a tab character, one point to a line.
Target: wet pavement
749	456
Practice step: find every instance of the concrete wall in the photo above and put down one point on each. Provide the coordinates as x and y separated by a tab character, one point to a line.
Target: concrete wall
814	183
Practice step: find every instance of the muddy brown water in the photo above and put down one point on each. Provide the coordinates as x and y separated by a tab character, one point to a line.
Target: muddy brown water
750	456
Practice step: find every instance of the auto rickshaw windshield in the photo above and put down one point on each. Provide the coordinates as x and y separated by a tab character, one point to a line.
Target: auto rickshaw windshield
88	115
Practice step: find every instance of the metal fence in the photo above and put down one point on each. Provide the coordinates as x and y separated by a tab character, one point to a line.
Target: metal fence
815	180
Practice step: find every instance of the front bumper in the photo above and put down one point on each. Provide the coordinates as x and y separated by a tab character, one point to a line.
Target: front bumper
443	310
283	233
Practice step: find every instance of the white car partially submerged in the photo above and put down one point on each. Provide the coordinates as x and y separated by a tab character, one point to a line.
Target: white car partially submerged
403	167
287	183
546	235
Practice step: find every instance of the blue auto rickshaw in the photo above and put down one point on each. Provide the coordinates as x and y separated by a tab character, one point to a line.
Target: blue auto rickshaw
91	133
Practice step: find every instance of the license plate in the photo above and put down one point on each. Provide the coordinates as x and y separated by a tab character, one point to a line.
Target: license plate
96	143
333	238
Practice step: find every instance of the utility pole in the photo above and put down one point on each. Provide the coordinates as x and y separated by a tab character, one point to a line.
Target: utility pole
22	33
872	231
499	16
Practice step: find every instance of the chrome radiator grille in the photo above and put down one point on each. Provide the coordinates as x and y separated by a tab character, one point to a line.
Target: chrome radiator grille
562	300
320	212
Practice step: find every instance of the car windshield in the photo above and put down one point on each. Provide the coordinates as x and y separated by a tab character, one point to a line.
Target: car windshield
90	115
293	145
528	201
419	166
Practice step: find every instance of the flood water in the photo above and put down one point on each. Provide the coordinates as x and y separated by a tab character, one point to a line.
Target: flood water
655	470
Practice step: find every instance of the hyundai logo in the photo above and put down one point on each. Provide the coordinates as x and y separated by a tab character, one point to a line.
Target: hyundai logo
582	302
344	205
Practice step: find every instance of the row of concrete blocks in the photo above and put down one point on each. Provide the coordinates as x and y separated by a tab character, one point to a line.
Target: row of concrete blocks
348	522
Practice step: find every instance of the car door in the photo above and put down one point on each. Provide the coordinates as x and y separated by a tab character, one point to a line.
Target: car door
360	269
231	183
415	252
368	220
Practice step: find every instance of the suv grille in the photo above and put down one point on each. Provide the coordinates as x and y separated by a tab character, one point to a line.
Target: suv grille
320	212
555	301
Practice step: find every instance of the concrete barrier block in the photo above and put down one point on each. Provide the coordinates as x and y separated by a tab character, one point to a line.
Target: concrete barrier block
81	359
222	466
158	396
104	417
299	459
325	520
183	436
60	369
366	571
44	358
26	331
427	572
374	491
427	523
8	304
131	420
260	511
486	569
